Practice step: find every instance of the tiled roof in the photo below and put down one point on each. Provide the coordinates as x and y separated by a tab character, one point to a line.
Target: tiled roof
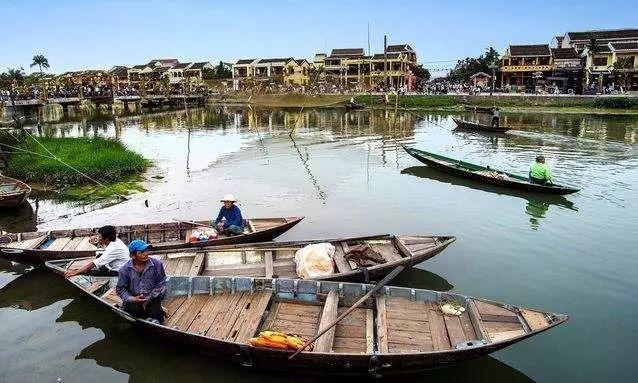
564	53
274	60
244	61
399	48
181	65
633	45
347	52
119	70
530	50
480	74
139	66
199	65
391	56
608	34
162	61
603	48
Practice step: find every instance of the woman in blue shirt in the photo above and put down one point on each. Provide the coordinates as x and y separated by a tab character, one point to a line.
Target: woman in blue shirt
229	220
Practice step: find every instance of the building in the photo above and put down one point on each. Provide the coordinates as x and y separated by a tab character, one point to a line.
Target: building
603	70
481	80
195	72
567	70
526	67
297	72
177	73
350	67
580	40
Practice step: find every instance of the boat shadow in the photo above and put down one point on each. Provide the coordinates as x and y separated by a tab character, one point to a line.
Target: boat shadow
422	279
33	290
537	204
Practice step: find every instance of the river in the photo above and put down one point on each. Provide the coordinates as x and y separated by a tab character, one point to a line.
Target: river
347	173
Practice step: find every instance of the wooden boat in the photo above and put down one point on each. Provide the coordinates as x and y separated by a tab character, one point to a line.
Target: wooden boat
479	109
13	192
485	174
276	259
39	246
463	124
353	106
401	330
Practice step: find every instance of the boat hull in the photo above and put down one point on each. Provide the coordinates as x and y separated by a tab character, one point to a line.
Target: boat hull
466	125
448	167
40	256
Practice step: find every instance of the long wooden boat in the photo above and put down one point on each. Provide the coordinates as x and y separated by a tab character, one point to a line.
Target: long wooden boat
40	246
485	174
479	109
463	124
276	259
13	192
401	330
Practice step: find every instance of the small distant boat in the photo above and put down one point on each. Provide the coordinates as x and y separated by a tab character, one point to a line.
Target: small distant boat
400	330
13	192
353	106
479	109
38	247
463	124
276	259
485	174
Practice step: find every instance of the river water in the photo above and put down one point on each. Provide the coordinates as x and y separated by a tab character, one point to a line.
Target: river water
347	173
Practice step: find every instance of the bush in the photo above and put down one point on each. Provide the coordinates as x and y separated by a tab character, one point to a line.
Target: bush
105	160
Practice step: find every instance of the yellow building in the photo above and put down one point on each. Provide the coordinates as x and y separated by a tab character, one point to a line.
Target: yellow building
296	72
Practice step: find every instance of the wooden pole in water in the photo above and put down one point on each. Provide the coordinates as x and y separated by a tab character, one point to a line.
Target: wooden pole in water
358	303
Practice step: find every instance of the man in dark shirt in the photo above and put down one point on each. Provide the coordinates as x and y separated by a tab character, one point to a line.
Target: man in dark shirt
141	283
229	219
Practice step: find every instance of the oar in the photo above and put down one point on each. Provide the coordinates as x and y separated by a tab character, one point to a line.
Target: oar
193	223
358	303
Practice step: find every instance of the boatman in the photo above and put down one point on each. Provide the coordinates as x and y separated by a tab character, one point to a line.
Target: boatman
539	172
141	283
496	118
229	220
114	256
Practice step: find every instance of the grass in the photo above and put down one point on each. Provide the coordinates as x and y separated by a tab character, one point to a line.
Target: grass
454	102
297	100
105	160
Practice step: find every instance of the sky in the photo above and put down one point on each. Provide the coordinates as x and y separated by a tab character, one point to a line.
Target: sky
85	34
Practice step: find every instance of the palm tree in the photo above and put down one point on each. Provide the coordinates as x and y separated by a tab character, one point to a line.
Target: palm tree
41	62
622	65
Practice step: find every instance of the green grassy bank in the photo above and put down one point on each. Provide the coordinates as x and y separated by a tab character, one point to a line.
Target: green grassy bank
105	160
510	103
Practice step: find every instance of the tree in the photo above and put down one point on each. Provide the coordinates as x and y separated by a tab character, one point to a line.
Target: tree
222	71
41	62
621	66
421	73
471	65
208	74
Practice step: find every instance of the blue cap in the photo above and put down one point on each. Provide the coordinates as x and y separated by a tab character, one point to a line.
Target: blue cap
138	245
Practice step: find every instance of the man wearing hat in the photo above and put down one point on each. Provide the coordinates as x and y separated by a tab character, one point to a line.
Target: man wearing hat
229	220
141	283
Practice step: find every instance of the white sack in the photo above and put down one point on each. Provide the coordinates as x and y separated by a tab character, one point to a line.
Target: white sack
315	260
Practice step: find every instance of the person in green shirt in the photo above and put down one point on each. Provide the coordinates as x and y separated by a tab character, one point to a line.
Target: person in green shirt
539	172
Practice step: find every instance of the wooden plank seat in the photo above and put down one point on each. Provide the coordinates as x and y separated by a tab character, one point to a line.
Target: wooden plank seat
498	323
419	326
228	316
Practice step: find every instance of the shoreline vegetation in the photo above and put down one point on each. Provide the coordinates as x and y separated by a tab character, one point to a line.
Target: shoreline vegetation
106	160
445	103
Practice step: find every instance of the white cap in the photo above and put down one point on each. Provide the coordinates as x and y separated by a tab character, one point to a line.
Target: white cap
228	197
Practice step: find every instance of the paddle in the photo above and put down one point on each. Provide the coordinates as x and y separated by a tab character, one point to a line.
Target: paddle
358	303
194	223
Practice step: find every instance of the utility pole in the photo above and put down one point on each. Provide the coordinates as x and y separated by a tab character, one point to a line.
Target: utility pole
385	61
369	60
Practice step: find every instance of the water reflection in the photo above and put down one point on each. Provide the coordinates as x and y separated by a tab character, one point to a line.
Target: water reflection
537	204
422	279
21	218
34	289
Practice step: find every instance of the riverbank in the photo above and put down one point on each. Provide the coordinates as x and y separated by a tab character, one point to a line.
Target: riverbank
445	103
80	163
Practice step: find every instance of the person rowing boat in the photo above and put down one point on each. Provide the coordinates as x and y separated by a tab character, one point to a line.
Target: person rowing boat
229	220
539	172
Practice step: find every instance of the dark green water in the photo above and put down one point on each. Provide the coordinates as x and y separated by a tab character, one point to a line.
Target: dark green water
348	175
